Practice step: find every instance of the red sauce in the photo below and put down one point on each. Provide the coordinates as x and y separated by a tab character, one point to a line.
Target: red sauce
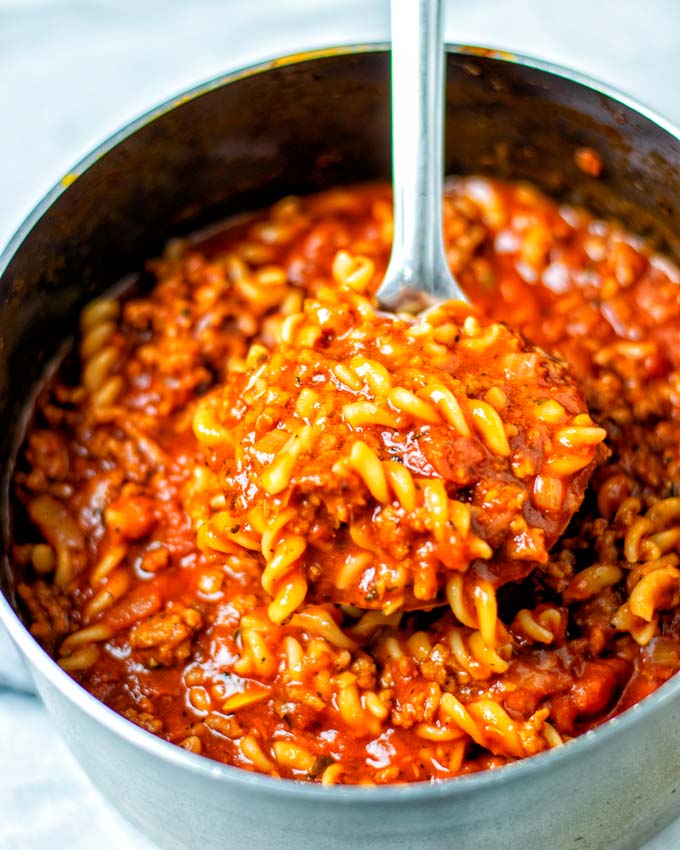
181	643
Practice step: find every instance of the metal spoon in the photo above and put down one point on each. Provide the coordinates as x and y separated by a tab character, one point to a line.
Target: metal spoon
417	274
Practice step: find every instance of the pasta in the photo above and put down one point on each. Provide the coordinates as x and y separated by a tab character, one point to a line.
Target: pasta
440	627
352	425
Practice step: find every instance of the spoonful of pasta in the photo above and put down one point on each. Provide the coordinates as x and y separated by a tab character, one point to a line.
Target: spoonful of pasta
386	460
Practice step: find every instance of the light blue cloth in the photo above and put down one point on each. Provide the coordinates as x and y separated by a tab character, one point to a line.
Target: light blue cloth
71	72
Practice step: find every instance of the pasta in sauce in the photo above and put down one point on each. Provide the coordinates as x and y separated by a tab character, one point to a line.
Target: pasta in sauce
143	580
371	458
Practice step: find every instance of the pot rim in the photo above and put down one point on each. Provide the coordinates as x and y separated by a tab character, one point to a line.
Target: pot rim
523	769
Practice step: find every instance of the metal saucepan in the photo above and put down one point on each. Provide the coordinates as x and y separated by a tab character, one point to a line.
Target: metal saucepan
296	125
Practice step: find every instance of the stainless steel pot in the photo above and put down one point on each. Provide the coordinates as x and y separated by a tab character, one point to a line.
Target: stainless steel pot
300	124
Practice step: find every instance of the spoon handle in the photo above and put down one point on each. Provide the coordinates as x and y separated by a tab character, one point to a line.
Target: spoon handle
418	262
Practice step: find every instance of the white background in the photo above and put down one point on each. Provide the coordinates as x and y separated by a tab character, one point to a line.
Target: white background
72	71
